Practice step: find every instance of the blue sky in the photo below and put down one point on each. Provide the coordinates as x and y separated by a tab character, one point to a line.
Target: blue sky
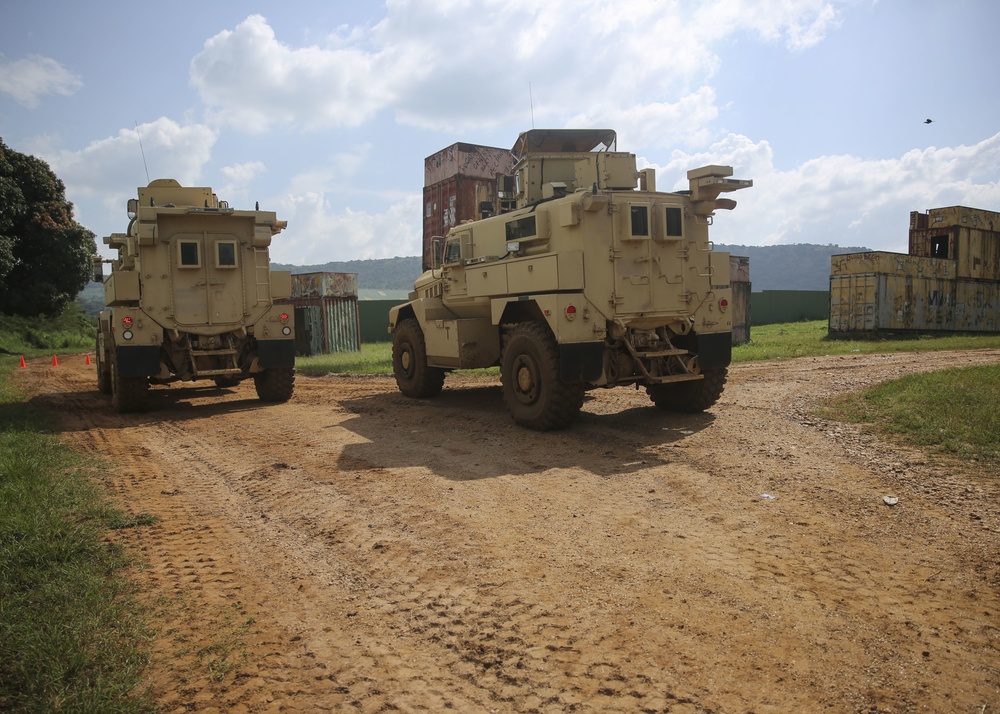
325	111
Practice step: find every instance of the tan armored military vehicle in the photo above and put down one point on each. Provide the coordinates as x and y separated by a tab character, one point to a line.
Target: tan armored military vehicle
595	279
191	297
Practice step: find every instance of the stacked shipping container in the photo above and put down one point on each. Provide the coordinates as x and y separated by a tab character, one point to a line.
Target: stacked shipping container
457	181
949	281
326	313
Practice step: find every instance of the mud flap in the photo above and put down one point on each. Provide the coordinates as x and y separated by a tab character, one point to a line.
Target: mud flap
276	354
715	350
581	362
140	361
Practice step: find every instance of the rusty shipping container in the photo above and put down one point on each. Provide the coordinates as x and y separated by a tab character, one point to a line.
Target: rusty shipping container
326	313
739	281
968	236
919	297
949	281
458	181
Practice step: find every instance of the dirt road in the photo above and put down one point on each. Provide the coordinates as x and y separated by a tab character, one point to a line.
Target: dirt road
354	550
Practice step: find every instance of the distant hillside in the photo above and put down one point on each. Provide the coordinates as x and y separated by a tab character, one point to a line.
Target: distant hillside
803	266
383	274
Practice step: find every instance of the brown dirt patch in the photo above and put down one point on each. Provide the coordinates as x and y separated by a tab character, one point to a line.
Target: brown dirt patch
354	550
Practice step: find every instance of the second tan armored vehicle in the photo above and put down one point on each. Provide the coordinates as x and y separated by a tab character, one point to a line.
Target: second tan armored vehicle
191	297
596	279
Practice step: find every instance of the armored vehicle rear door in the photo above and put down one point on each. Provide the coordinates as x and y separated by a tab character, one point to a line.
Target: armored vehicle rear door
207	277
650	255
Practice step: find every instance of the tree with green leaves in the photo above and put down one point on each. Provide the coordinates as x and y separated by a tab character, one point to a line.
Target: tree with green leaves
45	255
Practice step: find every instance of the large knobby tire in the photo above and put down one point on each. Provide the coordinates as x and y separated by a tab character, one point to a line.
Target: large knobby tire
689	397
409	362
534	394
275	384
128	394
103	372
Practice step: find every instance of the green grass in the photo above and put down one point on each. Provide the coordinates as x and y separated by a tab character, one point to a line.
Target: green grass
71	631
810	339
374	358
73	331
952	412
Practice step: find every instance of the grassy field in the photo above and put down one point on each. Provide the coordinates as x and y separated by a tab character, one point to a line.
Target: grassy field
810	339
71	634
73	331
953	412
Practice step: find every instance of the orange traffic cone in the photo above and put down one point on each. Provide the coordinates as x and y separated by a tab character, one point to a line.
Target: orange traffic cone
23	365
88	358
55	361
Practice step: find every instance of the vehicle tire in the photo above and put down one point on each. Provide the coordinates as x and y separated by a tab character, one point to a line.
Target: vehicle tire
226	382
275	384
103	372
409	362
689	397
534	393
128	394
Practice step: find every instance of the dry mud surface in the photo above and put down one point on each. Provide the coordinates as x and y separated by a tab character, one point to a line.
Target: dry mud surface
354	550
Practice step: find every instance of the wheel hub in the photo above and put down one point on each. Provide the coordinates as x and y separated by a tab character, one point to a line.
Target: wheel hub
525	372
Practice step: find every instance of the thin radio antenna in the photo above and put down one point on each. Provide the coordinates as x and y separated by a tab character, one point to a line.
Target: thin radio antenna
531	106
141	151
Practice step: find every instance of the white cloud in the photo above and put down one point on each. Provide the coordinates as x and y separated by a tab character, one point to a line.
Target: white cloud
656	124
844	200
28	80
798	24
107	171
251	80
336	174
317	233
239	180
457	64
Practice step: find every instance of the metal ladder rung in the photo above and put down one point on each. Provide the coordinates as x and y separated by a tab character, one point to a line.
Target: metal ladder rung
211	353
230	353
661	353
664	379
217	372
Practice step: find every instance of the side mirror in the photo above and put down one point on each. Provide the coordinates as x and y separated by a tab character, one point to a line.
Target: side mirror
436	244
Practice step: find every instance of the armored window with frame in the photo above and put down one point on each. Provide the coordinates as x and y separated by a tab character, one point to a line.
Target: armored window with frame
225	254
188	254
521	228
639	221
667	222
674	222
452	252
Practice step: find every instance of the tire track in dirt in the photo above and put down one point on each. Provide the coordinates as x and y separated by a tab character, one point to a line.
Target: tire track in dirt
355	550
